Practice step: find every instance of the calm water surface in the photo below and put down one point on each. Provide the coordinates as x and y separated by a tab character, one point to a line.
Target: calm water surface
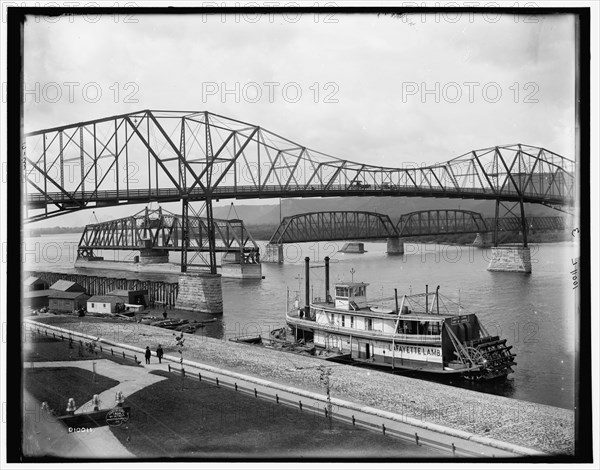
535	313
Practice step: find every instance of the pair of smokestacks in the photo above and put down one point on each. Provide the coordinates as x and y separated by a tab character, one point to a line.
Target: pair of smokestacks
307	281
307	288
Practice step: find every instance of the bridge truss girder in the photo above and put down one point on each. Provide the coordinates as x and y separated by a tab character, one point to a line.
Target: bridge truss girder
333	225
445	221
534	224
188	155
162	230
350	225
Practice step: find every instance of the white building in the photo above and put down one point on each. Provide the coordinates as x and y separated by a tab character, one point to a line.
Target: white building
104	303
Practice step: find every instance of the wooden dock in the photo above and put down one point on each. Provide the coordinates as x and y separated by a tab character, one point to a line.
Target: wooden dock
159	292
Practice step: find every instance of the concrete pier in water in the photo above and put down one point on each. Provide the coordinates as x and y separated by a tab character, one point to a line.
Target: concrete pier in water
395	246
273	254
353	247
512	259
152	256
237	265
200	292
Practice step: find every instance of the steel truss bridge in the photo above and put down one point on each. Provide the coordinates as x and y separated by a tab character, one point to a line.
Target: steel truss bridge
161	230
186	156
333	225
348	225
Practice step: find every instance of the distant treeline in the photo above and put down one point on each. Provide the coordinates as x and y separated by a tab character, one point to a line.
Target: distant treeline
36	232
261	232
265	232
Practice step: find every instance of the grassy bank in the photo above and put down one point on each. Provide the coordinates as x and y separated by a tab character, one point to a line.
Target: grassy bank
205	421
57	384
542	427
40	348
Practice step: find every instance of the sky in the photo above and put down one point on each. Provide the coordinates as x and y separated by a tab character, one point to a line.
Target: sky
374	89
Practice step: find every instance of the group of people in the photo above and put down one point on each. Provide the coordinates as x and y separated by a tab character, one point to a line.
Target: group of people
159	354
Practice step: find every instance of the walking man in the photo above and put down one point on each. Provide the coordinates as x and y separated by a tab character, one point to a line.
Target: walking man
148	354
96	402
159	353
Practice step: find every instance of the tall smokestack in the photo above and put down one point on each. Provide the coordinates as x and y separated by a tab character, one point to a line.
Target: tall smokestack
307	283
327	279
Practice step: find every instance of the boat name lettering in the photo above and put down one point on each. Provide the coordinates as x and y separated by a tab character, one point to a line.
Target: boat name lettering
419	350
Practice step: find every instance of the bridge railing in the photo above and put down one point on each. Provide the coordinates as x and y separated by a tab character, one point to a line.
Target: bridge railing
233	191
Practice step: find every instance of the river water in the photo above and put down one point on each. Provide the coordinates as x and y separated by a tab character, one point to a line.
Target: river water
535	313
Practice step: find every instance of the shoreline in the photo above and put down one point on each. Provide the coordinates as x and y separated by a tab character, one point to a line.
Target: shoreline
542	427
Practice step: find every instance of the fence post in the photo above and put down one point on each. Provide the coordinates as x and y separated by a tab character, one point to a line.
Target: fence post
453	449
383	428
417	438
123	354
112	353
300	405
217	379
277	398
255	393
236	387
353	421
169	366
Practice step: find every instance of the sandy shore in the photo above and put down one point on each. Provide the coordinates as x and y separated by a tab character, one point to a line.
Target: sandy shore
532	425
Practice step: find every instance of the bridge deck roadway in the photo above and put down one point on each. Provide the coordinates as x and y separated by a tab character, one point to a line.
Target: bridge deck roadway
451	441
135	196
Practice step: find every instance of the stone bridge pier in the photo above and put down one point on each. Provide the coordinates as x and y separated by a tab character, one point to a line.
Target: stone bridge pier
273	253
200	292
512	259
395	246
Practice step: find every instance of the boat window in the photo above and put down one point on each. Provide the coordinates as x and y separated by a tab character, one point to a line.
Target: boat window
369	324
343	320
408	327
359	291
433	328
341	292
351	322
